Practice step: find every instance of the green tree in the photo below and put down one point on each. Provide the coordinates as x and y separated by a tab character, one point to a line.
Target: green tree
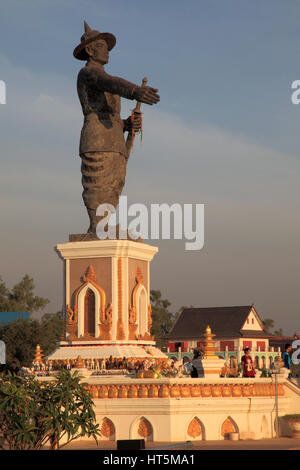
4	293
33	414
278	332
21	298
268	323
162	319
52	329
22	336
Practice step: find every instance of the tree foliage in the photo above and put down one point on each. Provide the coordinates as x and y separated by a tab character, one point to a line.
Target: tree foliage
52	326
22	336
33	414
21	297
162	319
278	332
268	323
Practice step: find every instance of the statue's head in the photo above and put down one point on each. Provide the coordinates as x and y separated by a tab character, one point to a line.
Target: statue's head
98	51
94	45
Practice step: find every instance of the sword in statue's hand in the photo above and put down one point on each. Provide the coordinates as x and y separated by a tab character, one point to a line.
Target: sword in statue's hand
136	110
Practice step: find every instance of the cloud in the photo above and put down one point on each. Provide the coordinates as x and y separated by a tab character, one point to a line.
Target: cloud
250	192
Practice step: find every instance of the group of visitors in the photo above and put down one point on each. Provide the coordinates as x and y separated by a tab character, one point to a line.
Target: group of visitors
193	366
249	366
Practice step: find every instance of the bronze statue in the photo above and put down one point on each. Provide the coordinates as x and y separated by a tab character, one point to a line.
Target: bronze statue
103	149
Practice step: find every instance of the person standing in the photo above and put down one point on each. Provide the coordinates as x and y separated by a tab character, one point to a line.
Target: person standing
286	359
189	367
248	365
197	370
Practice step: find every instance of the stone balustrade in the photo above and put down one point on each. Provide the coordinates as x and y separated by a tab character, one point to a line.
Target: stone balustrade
183	390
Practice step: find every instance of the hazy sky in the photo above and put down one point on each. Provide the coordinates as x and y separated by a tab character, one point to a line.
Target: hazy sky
225	134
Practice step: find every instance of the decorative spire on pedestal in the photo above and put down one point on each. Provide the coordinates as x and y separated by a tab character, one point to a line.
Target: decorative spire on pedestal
38	354
79	363
81	368
209	344
210	365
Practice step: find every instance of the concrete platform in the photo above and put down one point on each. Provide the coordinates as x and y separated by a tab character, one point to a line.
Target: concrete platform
263	444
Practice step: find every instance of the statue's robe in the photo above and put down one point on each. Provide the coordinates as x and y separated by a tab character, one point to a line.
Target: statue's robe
102	145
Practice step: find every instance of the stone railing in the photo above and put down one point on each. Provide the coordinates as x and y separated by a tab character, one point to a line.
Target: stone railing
183	390
268	355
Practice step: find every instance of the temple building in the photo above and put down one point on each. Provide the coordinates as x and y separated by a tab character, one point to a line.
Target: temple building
234	327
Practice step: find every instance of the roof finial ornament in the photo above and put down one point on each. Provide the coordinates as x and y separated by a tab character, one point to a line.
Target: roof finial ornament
209	343
90	274
38	354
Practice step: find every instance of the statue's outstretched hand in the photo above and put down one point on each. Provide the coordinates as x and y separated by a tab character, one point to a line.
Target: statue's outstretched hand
146	94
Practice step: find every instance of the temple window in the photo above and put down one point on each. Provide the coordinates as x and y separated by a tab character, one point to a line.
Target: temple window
89	312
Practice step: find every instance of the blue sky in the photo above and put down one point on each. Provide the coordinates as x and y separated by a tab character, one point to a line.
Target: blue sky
229	63
225	134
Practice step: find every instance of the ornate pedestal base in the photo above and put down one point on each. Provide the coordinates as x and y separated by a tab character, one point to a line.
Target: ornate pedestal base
107	298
